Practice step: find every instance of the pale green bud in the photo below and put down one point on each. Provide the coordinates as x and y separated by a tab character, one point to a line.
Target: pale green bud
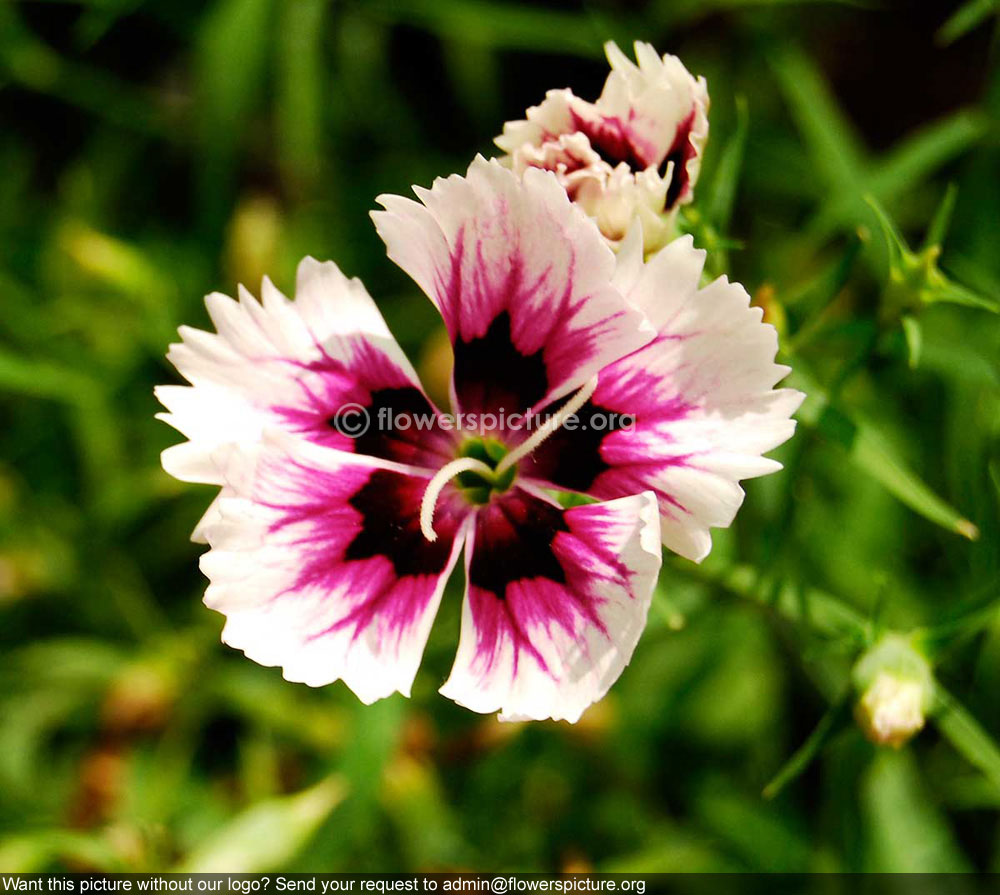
896	685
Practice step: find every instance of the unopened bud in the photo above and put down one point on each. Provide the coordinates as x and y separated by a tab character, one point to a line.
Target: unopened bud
896	687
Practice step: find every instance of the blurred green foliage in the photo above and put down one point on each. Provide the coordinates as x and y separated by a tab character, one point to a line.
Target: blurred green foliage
155	150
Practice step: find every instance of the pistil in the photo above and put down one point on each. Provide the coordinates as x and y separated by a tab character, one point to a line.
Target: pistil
434	487
494	474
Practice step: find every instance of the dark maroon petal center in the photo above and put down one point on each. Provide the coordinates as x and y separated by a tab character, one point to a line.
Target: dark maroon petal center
492	375
513	542
612	140
390	525
573	457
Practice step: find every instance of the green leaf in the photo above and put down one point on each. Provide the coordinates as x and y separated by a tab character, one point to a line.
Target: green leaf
872	453
476	78
911	329
899	251
906	830
869	450
501	25
231	55
34	852
835	148
766	839
946	635
955	294
268	834
32	64
821	612
923	152
836	718
938	229
966	734
727	175
915	279
965	18
301	94
40	379
430	831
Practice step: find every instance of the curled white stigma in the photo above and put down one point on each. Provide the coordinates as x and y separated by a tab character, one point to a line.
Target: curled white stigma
548	427
434	487
470	464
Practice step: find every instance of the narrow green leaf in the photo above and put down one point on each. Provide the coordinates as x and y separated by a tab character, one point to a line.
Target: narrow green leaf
924	152
268	834
911	329
100	18
476	79
766	839
727	174
906	830
416	803
501	25
301	94
898	249
819	611
911	162
833	721
231	55
966	734
35	851
41	379
954	294
949	634
34	65
829	136
818	296
873	454
964	19
938	229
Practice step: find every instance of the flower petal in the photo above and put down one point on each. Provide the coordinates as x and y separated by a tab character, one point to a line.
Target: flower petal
323	367
522	279
320	567
703	400
555	603
662	111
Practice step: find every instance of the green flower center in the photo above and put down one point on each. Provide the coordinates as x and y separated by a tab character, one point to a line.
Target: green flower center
477	487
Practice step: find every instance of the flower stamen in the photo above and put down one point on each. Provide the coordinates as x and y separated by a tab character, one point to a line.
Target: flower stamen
435	486
552	424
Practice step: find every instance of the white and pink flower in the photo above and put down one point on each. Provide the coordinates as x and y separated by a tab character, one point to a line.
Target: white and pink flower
634	154
329	554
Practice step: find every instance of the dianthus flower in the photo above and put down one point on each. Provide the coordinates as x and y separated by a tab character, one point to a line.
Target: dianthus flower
634	154
331	542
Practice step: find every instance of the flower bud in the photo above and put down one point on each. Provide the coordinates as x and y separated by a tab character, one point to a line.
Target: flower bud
896	687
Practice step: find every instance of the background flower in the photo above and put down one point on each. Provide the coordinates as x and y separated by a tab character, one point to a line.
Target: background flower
633	154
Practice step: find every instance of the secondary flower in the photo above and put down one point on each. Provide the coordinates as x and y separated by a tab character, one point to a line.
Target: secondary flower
635	153
896	685
329	553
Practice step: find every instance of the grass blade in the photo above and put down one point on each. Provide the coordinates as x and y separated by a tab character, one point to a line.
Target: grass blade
871	452
966	734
